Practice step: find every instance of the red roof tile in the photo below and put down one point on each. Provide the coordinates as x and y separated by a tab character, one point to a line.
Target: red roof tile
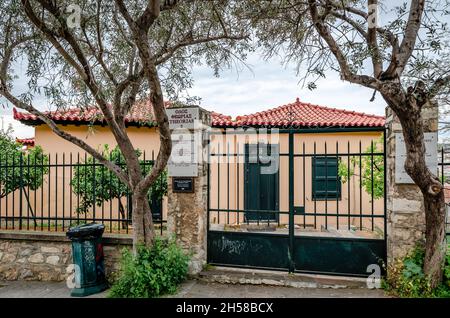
141	113
26	141
299	114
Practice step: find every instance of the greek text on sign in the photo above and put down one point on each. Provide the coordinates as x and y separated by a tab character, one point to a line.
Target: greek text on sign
430	140
182	117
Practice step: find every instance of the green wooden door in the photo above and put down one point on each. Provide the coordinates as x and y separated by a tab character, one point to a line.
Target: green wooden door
261	188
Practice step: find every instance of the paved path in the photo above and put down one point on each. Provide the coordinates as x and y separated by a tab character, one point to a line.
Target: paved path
191	289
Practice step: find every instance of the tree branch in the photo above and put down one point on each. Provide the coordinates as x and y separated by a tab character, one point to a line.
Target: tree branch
372	38
345	71
411	32
166	53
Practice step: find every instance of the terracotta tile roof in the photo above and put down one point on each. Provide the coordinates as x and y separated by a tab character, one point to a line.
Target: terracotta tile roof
141	113
26	141
219	120
299	114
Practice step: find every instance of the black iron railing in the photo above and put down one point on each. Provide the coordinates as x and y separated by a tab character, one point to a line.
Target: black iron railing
57	191
321	202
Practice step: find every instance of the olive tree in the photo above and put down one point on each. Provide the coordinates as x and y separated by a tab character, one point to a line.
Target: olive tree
95	184
111	54
404	60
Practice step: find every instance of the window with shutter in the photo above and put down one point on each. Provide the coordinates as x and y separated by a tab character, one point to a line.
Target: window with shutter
326	183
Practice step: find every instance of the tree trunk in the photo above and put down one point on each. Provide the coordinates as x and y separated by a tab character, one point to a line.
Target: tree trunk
410	115
143	229
435	246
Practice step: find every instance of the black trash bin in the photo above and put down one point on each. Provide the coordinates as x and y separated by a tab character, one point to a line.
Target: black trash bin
88	258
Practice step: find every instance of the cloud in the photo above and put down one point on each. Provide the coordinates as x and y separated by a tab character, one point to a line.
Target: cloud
20	130
269	84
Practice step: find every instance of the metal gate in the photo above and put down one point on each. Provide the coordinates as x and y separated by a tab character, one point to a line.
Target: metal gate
302	200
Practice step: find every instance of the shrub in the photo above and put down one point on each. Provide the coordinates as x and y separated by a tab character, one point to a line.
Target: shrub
407	279
154	271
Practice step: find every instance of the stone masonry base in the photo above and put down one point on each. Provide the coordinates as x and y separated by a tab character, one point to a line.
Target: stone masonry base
46	256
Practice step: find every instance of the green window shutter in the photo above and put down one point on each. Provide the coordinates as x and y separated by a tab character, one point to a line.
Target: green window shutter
326	183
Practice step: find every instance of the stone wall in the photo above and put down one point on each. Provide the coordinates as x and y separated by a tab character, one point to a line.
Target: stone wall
187	212
405	210
46	256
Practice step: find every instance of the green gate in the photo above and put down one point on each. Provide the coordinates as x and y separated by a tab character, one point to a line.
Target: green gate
316	210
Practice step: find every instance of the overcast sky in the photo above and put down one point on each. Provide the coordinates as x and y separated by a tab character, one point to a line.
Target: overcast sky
268	84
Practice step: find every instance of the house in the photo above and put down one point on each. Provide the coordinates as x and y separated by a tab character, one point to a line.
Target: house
27	143
311	143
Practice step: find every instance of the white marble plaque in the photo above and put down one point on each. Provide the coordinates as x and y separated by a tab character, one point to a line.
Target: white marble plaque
184	118
183	161
430	140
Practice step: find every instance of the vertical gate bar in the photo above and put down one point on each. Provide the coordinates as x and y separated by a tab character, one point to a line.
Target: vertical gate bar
102	189
7	195
111	200
1	214
371	175
258	213
208	188
360	186
28	194
94	186
21	190
49	193
56	193
385	195
314	176
34	194
228	183
85	184
442	165
291	202
238	175
42	191
348	186
13	192
70	187
337	186
326	187
64	189
304	188
218	182
5	169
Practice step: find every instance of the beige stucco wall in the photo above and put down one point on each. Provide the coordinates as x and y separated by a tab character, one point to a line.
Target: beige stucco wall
143	138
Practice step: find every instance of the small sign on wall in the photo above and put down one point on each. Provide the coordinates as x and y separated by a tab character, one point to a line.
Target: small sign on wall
182	185
430	140
184	118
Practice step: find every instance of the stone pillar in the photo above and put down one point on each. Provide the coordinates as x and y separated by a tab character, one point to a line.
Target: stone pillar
187	211
405	210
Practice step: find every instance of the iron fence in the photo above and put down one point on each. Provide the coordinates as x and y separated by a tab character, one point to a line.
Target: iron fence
320	208
56	191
